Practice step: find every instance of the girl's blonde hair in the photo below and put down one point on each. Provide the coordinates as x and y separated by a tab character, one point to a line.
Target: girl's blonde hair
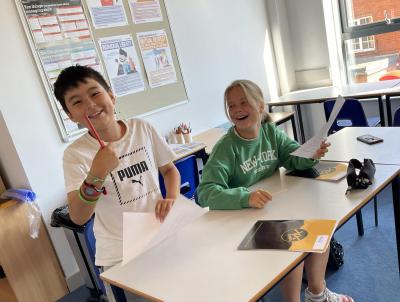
253	95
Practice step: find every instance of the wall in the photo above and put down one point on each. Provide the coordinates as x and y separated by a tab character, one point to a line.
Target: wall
300	43
307	33
282	45
217	42
301	52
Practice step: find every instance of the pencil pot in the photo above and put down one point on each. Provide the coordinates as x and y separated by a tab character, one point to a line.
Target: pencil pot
187	138
172	138
179	138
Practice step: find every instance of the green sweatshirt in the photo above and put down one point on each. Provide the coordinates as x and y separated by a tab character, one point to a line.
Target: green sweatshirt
236	163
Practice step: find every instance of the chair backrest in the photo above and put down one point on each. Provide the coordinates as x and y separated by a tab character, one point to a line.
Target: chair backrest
396	118
351	115
187	167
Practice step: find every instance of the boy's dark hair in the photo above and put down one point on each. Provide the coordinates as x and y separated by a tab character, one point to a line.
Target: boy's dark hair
71	77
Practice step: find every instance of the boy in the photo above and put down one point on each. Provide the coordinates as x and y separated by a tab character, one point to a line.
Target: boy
120	177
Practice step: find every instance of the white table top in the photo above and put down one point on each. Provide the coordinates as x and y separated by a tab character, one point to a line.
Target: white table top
345	146
322	94
201	262
184	150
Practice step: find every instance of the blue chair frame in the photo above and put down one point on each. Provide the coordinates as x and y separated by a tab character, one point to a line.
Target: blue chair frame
91	247
396	118
351	115
188	170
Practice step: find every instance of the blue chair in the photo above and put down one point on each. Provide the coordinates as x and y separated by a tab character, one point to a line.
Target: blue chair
396	118
351	115
90	253
187	167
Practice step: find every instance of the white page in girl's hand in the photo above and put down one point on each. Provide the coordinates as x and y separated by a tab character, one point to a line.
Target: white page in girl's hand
308	149
142	231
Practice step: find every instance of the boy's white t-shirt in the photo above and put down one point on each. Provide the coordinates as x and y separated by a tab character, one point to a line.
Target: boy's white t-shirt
132	187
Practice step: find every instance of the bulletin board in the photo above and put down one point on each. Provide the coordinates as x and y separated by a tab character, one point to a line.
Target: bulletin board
128	41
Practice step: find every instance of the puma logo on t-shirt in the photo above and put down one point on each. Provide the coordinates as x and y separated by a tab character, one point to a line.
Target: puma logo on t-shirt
133	170
138	181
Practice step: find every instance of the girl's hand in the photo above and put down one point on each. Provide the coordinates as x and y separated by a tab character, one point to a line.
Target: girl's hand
162	208
259	198
323	148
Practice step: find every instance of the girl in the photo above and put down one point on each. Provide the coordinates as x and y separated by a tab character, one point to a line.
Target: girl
252	150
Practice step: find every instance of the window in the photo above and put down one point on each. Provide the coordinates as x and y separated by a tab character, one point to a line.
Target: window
371	38
363	43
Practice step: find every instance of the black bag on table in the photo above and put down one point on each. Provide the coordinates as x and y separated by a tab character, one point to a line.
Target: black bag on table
363	178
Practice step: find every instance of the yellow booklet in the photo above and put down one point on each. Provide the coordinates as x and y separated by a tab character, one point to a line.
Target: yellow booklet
323	171
331	171
311	235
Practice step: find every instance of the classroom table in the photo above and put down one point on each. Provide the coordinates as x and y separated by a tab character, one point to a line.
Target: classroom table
345	146
184	150
201	262
319	95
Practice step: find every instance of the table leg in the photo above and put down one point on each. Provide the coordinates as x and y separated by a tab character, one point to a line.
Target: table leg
269	108
381	111
396	210
292	120
360	225
388	110
301	127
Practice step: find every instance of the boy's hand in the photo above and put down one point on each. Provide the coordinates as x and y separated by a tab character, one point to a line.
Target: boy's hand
323	148
259	198
104	161
162	208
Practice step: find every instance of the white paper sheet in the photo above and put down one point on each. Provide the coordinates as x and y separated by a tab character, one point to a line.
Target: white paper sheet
308	149
142	231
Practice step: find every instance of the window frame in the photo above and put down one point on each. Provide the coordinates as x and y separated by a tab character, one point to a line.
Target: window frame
360	41
359	31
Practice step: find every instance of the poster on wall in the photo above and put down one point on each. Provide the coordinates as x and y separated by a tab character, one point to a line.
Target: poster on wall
61	37
55	20
55	58
122	64
157	58
97	33
145	11
107	13
71	127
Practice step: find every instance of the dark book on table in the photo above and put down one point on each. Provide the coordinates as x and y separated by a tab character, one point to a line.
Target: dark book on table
311	235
